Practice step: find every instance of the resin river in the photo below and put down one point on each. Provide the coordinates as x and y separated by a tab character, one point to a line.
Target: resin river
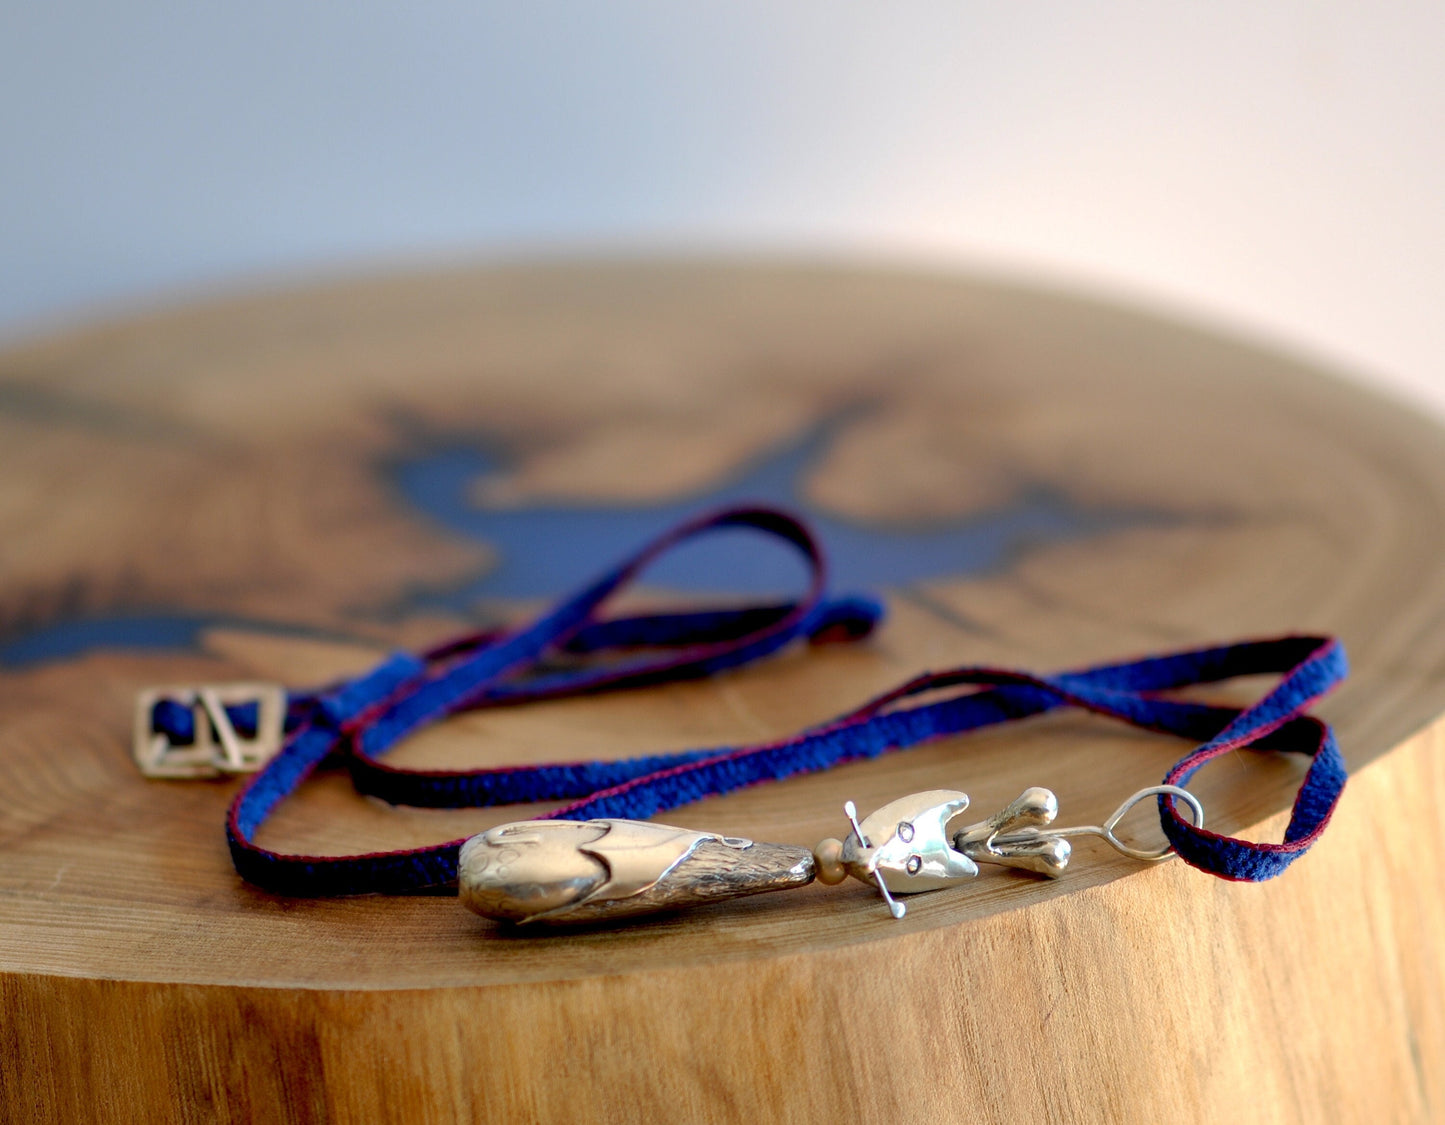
544	550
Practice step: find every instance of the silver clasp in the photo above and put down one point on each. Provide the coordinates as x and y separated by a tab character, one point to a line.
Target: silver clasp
904	847
217	748
1011	837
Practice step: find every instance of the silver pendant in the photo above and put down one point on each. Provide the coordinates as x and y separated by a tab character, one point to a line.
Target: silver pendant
568	871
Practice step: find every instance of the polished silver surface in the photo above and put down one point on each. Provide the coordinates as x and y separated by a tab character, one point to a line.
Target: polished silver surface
561	871
903	847
218	749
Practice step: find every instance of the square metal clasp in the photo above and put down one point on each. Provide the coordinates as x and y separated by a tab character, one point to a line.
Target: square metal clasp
217	748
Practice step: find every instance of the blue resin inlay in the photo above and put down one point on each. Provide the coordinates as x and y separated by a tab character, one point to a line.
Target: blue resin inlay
67	639
546	549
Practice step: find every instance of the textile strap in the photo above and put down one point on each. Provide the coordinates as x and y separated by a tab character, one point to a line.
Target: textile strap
567	651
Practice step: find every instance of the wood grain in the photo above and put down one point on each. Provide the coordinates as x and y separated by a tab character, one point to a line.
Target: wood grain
234	466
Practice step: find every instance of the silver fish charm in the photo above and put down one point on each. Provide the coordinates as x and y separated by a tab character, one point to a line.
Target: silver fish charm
568	871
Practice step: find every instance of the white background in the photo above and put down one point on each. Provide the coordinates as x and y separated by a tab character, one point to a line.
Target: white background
1278	168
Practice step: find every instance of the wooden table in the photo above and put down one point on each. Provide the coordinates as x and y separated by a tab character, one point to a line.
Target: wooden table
286	485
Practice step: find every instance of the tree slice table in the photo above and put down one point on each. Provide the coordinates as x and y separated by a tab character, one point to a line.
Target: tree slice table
285	486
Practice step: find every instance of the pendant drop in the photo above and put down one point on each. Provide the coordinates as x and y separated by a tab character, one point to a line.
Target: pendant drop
570	871
580	871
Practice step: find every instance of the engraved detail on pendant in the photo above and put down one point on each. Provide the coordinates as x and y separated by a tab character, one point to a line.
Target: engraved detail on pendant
567	871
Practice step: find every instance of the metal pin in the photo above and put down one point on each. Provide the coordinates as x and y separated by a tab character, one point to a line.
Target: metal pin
896	908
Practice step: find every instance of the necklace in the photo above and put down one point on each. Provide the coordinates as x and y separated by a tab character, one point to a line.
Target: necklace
600	857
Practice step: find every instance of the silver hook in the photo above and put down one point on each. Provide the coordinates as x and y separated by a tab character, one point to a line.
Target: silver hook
1106	830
